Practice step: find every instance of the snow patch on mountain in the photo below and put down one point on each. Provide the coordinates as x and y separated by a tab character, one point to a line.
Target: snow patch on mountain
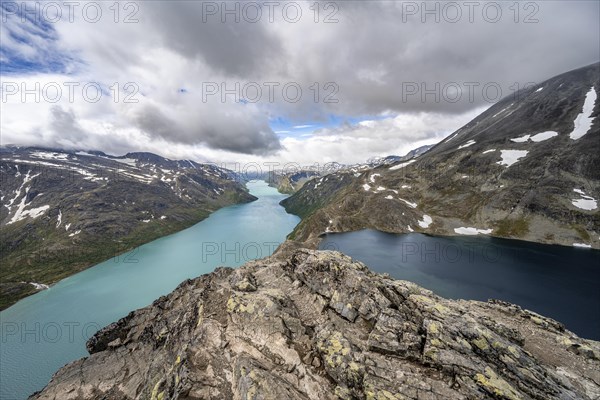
586	202
395	167
501	111
540	137
509	157
50	156
412	205
21	213
425	222
469	143
39	286
583	122
472	231
582	245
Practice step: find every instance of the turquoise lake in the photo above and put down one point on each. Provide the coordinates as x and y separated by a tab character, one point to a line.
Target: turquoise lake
43	332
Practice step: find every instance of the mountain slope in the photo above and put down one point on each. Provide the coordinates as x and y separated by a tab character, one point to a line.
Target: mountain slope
64	211
290	182
317	325
527	168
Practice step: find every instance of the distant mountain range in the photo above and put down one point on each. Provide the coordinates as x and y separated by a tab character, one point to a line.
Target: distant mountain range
63	211
291	182
527	168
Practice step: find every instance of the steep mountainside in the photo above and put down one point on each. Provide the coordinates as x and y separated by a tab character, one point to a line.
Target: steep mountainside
290	182
408	156
527	168
64	211
316	325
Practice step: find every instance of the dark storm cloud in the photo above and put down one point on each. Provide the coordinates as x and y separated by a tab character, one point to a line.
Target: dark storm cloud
233	131
64	124
377	54
378	65
238	49
381	58
387	56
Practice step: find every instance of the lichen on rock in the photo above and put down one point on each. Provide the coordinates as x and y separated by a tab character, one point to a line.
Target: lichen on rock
318	325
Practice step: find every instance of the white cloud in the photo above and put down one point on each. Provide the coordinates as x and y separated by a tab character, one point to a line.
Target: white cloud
172	49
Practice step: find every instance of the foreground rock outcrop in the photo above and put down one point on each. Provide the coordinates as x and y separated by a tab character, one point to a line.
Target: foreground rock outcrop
318	325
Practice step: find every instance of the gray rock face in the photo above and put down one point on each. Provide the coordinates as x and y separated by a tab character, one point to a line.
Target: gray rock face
318	325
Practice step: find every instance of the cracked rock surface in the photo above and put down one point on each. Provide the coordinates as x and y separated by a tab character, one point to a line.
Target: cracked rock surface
318	325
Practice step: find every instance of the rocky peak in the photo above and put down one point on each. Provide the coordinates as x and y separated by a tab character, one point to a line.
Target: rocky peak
318	325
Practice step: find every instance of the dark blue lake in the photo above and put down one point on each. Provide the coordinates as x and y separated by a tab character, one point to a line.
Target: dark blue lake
556	281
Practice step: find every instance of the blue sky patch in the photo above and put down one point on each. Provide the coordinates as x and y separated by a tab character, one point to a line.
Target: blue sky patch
24	29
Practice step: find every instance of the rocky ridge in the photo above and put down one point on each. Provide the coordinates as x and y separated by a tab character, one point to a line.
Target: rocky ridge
311	324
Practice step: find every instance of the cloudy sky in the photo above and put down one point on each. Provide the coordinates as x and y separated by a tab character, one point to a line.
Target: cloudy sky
279	81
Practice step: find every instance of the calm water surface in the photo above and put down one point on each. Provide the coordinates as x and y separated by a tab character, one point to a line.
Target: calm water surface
43	332
556	281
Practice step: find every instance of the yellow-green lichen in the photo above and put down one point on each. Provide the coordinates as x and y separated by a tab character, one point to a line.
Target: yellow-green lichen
464	343
481	343
354	366
496	385
342	393
421	299
154	394
433	328
383	395
537	320
565	341
430	352
333	350
513	350
442	309
244	285
484	332
235	305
